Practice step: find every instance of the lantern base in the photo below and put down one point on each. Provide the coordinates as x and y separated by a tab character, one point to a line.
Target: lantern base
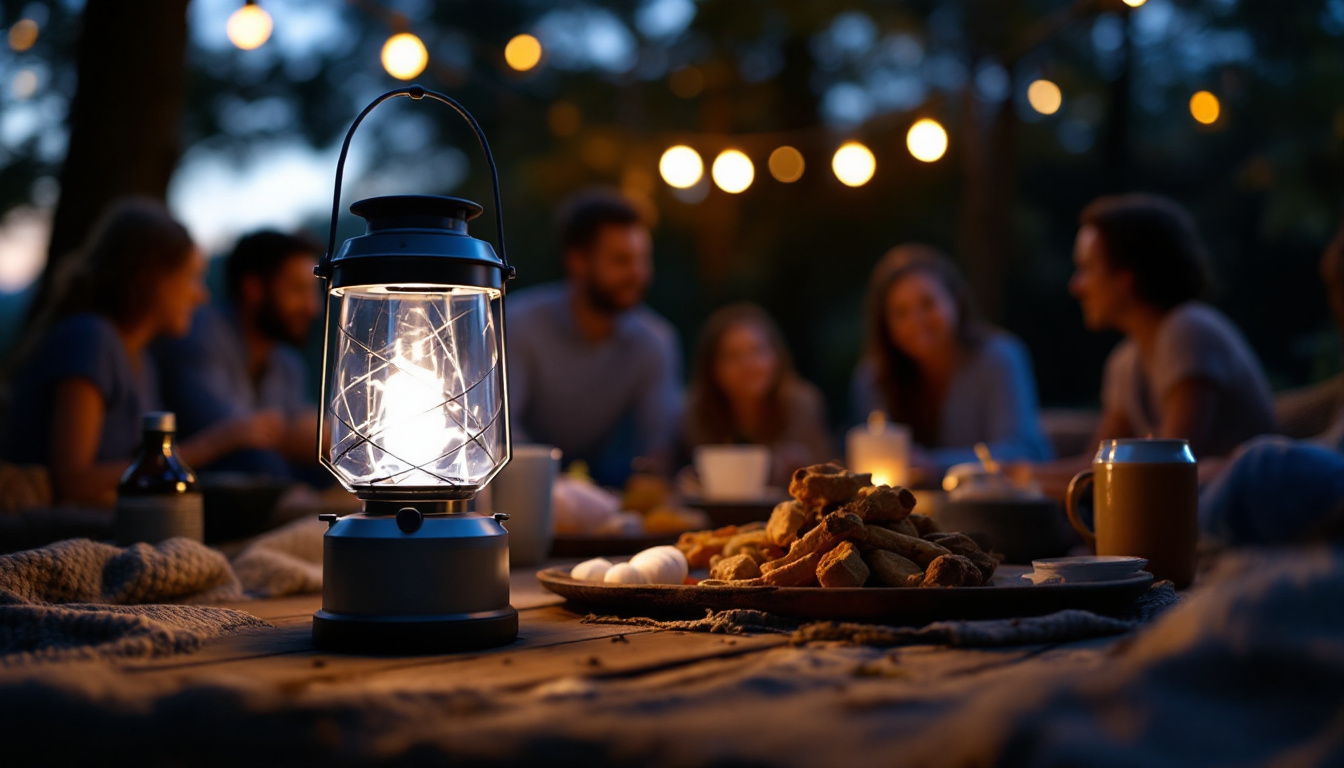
414	635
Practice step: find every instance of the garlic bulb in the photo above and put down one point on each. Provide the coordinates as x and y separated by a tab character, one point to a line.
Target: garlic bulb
591	570
661	565
624	573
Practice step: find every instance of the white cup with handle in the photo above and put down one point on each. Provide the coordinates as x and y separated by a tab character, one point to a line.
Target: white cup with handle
522	490
732	472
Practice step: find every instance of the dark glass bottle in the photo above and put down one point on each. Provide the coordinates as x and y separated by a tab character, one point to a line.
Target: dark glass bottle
158	497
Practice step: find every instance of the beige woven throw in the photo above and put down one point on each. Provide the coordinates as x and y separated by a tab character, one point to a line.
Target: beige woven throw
82	599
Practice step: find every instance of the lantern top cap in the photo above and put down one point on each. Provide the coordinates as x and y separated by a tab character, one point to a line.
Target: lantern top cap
399	211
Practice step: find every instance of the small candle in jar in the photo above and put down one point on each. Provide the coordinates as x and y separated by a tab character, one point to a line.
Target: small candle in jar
881	448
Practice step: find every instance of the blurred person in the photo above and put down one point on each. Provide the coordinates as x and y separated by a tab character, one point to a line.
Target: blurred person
1183	369
80	392
592	370
744	390
1274	490
241	361
933	366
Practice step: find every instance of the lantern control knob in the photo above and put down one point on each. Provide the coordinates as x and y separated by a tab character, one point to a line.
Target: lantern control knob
500	517
409	519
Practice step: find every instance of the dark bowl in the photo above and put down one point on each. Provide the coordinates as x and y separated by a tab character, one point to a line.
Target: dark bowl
1021	531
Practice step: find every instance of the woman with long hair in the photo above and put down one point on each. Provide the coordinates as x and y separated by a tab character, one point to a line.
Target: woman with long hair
933	366
81	390
744	390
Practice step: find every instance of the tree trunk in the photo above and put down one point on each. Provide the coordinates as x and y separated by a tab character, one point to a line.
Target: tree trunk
124	119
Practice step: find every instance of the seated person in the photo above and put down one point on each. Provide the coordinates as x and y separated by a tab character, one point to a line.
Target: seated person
744	390
591	369
80	392
1274	490
1183	369
932	366
242	362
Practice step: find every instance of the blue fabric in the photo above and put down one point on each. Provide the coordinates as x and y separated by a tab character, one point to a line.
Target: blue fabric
991	399
83	346
605	402
205	379
1274	490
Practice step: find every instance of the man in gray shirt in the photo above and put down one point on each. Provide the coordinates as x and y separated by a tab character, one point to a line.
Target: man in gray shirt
591	369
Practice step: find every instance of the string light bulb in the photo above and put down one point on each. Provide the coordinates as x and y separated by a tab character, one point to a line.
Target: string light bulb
926	140
523	52
1204	107
786	164
1044	97
853	164
1134	3
249	27
404	56
733	171
22	35
681	167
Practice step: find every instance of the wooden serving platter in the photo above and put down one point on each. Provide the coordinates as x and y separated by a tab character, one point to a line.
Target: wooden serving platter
1008	595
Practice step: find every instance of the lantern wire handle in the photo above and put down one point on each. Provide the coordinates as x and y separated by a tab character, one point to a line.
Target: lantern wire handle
417	92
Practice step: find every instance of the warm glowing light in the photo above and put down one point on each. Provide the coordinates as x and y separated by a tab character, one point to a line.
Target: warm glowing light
853	164
733	171
1204	107
249	27
25	84
926	140
687	82
564	118
786	164
1134	3
1044	97
681	167
523	52
23	34
404	56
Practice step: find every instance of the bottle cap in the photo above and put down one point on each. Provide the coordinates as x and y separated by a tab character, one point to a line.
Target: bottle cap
160	421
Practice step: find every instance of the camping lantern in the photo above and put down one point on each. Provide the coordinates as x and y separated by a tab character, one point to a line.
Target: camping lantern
414	423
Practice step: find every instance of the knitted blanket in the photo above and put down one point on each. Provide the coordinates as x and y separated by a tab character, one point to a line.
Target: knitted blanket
83	599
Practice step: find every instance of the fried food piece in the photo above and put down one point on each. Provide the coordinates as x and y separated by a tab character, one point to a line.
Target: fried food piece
891	570
762	553
900	526
924	524
883	504
921	551
842	567
951	571
832	530
799	573
826	485
735	568
786	520
700	547
961	544
736	544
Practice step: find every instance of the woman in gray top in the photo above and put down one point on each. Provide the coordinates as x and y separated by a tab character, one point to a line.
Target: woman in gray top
930	365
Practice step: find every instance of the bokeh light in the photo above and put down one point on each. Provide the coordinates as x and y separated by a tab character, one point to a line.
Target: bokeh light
1044	97
564	118
1134	3
853	164
25	84
249	27
927	140
404	56
1204	107
733	171
687	82
786	164
681	167
523	52
23	34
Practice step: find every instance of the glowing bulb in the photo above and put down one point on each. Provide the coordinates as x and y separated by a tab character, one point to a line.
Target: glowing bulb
733	171
523	52
1134	3
1044	97
1204	107
249	27
786	164
23	34
853	164
404	56
681	167
25	84
926	140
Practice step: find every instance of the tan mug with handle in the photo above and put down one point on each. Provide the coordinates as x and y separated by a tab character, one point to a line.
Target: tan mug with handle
1145	498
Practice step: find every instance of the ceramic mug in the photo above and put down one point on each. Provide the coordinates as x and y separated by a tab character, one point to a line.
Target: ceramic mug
1145	498
522	489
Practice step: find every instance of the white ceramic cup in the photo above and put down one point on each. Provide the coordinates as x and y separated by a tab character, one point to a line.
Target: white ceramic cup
732	472
522	490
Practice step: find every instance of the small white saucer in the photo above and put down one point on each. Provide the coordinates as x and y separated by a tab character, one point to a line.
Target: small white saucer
1075	570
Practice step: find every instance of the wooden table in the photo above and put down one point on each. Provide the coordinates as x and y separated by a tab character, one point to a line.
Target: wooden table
565	692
